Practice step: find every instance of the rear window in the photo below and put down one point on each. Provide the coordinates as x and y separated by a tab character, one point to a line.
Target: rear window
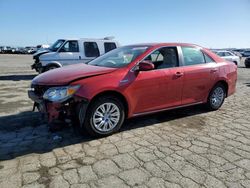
192	56
91	49
208	59
228	54
108	46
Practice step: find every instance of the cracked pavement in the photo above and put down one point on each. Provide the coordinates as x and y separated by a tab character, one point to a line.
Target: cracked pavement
188	147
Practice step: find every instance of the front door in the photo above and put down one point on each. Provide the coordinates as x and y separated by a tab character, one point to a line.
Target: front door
159	88
69	53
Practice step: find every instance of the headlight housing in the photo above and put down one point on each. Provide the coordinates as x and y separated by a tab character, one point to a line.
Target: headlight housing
60	94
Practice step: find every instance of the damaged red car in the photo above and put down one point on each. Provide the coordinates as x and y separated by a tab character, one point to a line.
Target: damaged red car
132	81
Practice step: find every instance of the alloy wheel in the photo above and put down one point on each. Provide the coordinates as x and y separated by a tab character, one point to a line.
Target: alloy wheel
217	97
106	117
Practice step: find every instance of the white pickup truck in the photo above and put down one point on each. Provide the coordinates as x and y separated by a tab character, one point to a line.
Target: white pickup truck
71	51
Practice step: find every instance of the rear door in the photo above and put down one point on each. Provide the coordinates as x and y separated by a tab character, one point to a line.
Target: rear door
199	74
229	56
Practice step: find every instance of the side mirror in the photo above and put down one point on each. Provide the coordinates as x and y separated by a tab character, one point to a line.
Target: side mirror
145	65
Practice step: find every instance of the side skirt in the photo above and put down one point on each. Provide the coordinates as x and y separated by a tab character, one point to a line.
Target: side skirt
165	109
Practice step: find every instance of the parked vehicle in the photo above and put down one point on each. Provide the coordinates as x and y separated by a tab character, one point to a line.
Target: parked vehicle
241	51
133	81
229	56
247	62
72	51
6	49
17	50
30	50
246	53
237	54
42	46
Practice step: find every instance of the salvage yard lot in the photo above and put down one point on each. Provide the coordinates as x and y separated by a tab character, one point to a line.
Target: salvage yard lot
180	148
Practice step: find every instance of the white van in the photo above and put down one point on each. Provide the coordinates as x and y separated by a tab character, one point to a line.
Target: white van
71	51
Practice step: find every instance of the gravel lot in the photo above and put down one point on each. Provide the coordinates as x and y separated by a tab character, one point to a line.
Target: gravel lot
181	148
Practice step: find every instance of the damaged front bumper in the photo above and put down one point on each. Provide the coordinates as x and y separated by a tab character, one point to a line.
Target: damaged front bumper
37	66
49	110
67	111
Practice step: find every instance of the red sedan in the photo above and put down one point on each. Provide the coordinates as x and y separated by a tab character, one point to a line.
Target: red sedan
132	81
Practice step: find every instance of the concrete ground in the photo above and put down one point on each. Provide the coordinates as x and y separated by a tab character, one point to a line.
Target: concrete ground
180	148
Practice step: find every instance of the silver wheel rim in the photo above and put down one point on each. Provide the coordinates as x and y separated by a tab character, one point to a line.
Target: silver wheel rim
217	97
106	117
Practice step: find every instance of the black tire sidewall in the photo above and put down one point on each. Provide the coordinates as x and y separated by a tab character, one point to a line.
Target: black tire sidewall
88	123
50	67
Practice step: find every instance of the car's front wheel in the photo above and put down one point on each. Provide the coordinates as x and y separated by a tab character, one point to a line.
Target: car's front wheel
50	67
216	97
104	117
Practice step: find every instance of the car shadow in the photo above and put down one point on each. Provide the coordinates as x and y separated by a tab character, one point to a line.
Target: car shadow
26	133
18	77
247	84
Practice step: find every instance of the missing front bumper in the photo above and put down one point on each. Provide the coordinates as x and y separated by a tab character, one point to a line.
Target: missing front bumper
50	111
74	109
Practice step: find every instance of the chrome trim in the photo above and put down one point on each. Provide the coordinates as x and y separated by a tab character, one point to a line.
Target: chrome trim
166	109
124	81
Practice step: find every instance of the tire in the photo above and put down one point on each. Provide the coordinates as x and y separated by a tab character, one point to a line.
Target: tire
216	97
247	65
98	117
50	67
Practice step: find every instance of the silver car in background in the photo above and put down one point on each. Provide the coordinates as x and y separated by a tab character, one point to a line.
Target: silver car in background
229	56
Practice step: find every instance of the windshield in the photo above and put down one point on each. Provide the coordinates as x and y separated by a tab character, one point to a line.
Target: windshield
119	57
56	45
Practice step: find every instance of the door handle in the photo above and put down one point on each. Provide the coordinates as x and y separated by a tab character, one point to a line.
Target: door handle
213	70
179	74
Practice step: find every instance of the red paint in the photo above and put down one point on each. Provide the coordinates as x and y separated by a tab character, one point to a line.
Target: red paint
147	91
66	74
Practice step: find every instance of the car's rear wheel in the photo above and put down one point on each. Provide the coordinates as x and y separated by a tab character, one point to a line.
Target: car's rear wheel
235	62
104	117
216	97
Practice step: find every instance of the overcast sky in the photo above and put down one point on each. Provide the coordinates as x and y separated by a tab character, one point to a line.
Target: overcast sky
213	23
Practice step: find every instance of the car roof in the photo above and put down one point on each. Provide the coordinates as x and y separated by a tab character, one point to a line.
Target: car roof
88	39
158	45
222	51
165	44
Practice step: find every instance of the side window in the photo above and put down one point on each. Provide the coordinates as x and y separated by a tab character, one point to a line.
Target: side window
208	59
70	46
91	49
166	57
108	46
156	56
221	54
192	56
228	54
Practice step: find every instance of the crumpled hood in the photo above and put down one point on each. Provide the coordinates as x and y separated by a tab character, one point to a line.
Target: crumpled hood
49	56
67	74
40	52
